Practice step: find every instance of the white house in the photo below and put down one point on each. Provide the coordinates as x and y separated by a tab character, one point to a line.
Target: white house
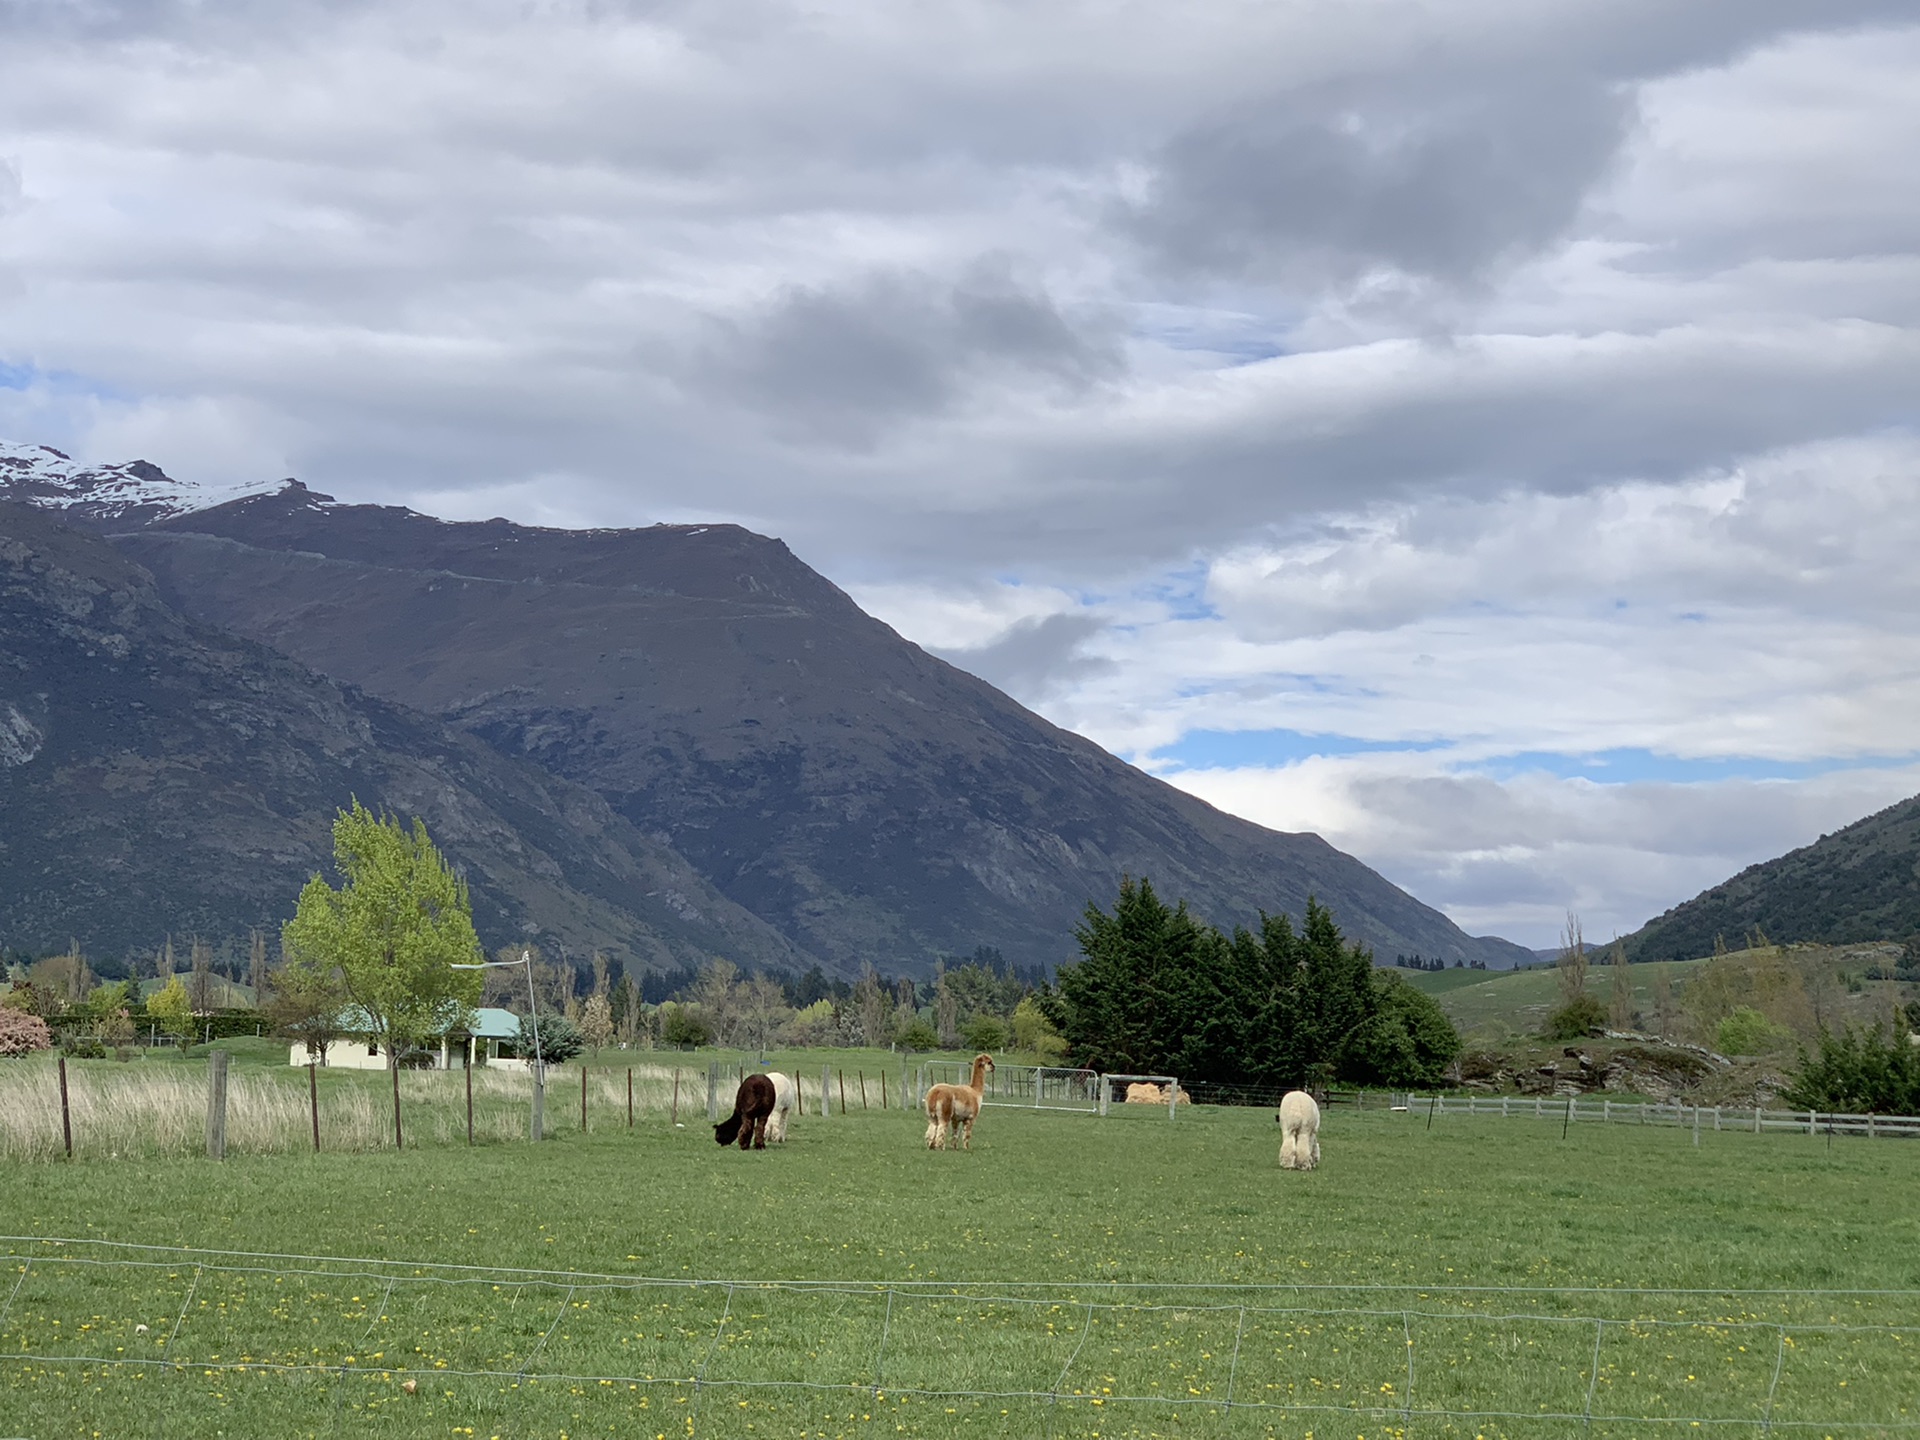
475	1044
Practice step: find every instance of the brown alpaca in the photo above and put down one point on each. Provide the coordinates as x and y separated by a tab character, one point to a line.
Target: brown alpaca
956	1107
752	1104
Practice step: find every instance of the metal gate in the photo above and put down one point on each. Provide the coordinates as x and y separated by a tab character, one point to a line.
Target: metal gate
1036	1087
1048	1087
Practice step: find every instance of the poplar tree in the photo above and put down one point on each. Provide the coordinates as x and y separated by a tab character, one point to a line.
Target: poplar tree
392	932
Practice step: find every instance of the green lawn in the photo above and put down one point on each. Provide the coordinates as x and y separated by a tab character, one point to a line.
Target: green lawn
1139	1266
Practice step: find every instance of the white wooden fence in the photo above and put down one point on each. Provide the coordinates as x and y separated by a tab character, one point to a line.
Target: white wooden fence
1575	1110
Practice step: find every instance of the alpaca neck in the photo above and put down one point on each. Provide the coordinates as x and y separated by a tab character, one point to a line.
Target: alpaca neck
979	1076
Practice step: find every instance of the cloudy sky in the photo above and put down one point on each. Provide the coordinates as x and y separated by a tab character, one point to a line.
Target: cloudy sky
1482	431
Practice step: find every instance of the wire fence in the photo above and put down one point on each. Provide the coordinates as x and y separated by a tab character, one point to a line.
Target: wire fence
337	1345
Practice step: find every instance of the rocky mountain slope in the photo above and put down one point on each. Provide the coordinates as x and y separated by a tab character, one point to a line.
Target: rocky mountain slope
157	774
870	802
1859	883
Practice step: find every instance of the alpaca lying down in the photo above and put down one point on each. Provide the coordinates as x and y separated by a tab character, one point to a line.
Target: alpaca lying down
1299	1119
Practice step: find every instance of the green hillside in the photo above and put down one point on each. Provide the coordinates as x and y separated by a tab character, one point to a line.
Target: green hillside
1858	884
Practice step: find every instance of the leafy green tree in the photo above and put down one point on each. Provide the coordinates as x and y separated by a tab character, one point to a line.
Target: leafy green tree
393	931
918	1034
984	1032
1408	1043
172	1012
683	1025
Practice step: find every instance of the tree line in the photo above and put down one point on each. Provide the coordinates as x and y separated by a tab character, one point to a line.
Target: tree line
1160	991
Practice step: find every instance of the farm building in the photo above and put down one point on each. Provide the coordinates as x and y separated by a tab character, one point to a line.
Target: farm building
479	1043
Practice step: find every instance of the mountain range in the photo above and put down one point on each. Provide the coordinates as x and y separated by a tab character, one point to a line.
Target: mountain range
706	747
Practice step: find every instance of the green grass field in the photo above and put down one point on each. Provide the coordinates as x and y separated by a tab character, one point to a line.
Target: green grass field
1144	1270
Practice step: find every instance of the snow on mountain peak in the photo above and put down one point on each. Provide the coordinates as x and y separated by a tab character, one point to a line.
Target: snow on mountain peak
134	491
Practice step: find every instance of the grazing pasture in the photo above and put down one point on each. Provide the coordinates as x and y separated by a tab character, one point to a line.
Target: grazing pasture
1070	1276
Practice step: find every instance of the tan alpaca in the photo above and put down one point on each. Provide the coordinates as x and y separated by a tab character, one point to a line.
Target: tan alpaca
956	1107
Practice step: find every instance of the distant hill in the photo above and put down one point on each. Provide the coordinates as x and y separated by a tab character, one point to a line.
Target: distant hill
159	775
1860	883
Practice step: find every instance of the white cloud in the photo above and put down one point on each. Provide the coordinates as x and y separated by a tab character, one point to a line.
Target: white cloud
1333	366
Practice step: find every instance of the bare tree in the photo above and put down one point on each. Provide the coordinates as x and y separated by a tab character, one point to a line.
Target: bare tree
257	964
1620	992
763	1010
714	994
200	984
946	1011
1572	963
596	1021
870	1006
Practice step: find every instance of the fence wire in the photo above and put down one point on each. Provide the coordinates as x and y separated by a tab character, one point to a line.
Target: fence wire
93	1323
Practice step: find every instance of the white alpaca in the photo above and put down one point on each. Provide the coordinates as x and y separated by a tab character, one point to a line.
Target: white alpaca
1299	1131
785	1096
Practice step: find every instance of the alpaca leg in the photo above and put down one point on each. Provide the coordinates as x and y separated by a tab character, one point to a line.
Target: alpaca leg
966	1133
1313	1157
760	1132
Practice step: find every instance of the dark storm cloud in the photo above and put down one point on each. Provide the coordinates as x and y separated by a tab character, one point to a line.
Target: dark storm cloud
843	363
1317	189
1443	171
1036	657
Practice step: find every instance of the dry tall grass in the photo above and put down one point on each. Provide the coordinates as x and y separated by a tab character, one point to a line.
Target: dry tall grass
161	1109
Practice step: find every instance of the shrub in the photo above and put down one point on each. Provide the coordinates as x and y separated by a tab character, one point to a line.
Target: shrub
1576	1019
22	1034
918	1034
1409	1041
1747	1032
984	1032
683	1025
560	1039
1866	1072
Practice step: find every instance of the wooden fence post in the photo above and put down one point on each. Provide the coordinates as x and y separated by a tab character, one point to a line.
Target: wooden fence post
583	1099
863	1087
66	1110
673	1116
217	1105
713	1092
841	1076
629	1097
883	1090
826	1076
469	1070
393	1068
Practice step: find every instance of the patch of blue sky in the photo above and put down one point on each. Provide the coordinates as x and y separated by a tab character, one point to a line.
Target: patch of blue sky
1629	765
1233	337
1271	749
1183	593
16	377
